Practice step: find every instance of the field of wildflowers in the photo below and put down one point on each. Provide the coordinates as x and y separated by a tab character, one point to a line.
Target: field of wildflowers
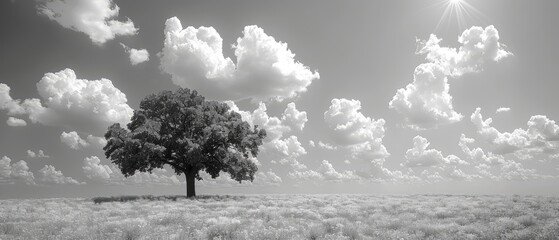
283	217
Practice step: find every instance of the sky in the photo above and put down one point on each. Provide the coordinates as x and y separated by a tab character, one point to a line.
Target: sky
372	97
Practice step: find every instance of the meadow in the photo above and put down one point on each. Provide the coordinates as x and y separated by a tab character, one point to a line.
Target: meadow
283	217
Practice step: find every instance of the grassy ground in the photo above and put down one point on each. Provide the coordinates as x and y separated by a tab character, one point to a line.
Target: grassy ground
285	217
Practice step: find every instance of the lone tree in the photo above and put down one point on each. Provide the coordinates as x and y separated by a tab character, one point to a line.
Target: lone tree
188	133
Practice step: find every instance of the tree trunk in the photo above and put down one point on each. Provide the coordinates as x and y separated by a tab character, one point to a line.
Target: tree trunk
190	181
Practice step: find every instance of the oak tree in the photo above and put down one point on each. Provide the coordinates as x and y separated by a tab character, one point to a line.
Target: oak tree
190	134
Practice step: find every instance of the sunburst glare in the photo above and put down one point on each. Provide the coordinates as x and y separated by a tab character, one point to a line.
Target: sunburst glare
457	11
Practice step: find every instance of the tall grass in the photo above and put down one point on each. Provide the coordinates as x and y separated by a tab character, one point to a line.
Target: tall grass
283	217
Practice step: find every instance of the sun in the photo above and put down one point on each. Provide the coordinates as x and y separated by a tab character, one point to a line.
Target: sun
459	12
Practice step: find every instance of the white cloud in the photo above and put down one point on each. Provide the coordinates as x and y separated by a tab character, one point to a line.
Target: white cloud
262	178
350	128
7	103
110	174
309	175
73	140
39	154
477	154
420	156
77	104
325	172
447	173
540	137
96	171
82	104
436	167
157	177
31	107
330	174
136	55
97	142
275	127
288	148
426	103
294	118
265	68
375	171
277	147
326	146
16	122
267	178
361	136
311	143
95	18
14	173
49	174
502	110
495	166
285	151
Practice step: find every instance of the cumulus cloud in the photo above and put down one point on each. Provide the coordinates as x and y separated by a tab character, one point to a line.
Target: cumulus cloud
326	146
39	154
325	172
477	154
82	104
330	174
262	178
448	173
294	118
277	145
16	122
495	166
96	171
426	103
350	128
73	140
157	177
15	173
311	143
265	68
540	137
136	55
95	18
502	110
309	175
420	156
49	174
97	142
276	127
7	103
31	107
286	149
77	104
361	136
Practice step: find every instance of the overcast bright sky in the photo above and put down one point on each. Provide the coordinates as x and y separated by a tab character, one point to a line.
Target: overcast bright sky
422	96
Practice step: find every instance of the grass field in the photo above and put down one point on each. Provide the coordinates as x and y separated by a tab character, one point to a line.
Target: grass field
285	217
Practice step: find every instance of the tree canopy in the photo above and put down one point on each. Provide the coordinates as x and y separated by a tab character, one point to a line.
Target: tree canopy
183	130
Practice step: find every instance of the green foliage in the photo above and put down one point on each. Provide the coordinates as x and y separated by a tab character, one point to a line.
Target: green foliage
183	130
